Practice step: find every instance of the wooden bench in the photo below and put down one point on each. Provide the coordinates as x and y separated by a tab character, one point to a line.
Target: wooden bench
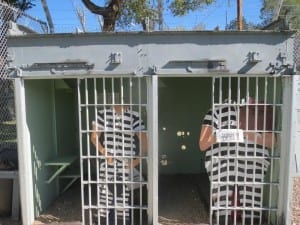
60	164
15	205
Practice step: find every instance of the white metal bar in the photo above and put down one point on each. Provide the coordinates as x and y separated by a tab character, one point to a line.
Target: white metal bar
24	154
141	153
106	156
86	109
152	93
219	100
272	153
264	140
81	150
95	108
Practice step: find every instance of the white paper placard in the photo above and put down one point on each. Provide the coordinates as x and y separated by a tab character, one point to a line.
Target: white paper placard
230	135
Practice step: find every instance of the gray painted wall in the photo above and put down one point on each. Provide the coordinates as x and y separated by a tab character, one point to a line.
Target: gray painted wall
149	53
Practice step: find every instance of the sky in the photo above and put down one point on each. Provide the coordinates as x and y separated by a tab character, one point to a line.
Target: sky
65	19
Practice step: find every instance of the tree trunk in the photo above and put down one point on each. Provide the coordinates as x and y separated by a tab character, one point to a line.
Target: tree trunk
48	15
109	13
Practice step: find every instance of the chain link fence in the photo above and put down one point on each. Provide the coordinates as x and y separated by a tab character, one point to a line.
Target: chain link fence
15	22
7	110
297	51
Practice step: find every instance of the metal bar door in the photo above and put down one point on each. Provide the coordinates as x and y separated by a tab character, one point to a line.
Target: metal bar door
243	127
114	117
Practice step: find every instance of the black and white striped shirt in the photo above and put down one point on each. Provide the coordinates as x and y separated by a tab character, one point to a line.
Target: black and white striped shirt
118	131
235	163
229	160
118	137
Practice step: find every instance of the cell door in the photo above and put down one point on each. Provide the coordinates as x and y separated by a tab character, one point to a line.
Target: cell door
240	136
116	135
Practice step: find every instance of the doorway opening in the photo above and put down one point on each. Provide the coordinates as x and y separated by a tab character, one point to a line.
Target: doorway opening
113	150
187	189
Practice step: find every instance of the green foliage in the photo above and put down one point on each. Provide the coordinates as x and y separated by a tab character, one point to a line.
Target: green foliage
21	4
135	12
183	7
268	11
246	25
148	12
290	11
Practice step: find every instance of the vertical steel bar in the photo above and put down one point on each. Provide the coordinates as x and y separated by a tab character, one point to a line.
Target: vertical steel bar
95	105
272	152
212	186
130	86
105	103
86	103
79	107
115	206
140	153
124	181
152	90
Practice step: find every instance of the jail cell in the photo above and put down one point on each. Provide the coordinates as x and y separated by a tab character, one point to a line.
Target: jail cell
243	160
113	146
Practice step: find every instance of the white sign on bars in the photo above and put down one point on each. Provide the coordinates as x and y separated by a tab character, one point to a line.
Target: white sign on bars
230	135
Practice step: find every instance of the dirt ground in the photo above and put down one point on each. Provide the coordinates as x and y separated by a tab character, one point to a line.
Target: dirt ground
66	210
182	201
296	202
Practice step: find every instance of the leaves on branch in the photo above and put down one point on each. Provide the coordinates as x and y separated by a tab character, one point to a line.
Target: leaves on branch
21	4
183	7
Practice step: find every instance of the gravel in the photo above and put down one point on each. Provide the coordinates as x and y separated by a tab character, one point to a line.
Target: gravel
296	202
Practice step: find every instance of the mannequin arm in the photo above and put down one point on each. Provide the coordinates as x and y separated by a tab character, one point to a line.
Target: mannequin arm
94	139
207	138
268	140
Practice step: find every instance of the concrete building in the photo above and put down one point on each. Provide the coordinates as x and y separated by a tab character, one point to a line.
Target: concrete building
171	79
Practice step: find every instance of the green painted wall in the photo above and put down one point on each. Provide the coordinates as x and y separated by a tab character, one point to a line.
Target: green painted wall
66	119
182	104
40	117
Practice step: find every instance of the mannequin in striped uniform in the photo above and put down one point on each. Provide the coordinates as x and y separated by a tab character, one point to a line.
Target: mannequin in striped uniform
117	133
236	169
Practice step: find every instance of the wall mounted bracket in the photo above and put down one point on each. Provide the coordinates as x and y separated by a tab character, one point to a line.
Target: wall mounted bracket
59	66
